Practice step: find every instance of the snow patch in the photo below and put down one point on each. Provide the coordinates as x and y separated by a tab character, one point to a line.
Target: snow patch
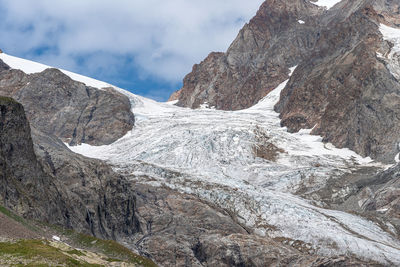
301	21
173	102
326	3
393	57
30	67
56	238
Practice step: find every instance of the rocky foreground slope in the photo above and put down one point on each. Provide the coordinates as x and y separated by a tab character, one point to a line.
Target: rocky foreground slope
345	87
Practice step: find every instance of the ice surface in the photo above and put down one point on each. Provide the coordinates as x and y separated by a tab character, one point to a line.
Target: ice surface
30	67
326	3
210	153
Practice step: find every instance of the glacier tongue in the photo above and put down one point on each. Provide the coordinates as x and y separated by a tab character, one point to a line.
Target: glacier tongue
243	161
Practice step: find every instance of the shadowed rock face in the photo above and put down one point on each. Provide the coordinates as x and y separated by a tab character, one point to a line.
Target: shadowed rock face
48	182
340	87
23	182
55	104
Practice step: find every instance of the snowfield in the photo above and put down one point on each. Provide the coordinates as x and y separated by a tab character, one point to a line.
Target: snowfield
245	162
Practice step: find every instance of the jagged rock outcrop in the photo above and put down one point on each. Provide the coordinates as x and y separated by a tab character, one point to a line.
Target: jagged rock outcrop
257	61
382	195
57	105
24	184
100	202
341	87
58	186
349	95
175	96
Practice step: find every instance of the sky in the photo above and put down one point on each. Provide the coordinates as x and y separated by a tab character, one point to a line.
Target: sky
144	46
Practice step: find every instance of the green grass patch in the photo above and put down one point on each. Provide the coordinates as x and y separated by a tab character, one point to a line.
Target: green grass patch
39	251
113	260
5	99
76	252
112	249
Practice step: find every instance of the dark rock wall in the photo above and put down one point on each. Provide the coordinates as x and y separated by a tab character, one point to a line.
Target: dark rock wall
48	182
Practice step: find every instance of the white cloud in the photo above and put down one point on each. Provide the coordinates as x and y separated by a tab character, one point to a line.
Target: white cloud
165	38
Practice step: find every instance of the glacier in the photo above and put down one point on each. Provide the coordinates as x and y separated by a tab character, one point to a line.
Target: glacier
211	154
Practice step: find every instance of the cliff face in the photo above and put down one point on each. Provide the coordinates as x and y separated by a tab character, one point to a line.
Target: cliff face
76	113
342	87
24	185
47	182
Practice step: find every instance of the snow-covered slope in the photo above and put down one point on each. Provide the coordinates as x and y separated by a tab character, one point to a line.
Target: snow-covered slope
244	162
30	67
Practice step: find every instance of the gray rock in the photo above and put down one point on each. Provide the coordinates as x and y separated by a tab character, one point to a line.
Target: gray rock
344	91
24	185
57	105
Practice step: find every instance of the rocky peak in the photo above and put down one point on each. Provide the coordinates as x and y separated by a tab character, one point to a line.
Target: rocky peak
258	59
341	88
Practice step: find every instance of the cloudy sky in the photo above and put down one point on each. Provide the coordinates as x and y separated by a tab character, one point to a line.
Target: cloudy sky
146	46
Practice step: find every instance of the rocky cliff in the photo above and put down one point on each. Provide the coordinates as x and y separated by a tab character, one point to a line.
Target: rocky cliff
57	105
342	87
24	184
349	95
58	186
